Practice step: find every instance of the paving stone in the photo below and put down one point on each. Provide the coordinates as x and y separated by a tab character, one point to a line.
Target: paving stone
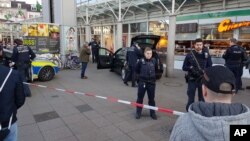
73	138
65	109
112	131
101	122
92	114
31	137
28	130
125	127
50	124
46	116
57	134
84	108
97	135
123	137
139	136
81	128
75	118
114	118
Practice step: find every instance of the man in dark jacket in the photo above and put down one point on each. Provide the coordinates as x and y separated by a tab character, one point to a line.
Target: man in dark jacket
234	58
133	55
21	58
194	63
211	120
12	97
94	49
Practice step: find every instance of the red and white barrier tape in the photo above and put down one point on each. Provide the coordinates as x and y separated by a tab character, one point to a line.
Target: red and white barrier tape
112	99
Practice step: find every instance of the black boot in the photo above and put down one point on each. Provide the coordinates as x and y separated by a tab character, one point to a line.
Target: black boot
138	115
153	115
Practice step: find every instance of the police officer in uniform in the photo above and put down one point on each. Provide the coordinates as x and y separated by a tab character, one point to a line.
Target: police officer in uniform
21	58
133	55
146	70
234	57
195	62
94	49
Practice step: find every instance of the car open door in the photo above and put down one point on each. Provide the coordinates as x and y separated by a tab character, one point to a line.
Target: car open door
105	57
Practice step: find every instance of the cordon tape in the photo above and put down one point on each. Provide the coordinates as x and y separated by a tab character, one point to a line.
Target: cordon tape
112	99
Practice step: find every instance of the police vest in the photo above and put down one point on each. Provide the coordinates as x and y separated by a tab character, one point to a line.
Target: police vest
234	55
147	70
23	54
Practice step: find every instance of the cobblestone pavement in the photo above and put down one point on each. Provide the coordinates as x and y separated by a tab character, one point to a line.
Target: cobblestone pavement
54	116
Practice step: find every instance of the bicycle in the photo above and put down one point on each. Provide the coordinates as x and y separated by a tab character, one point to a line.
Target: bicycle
72	61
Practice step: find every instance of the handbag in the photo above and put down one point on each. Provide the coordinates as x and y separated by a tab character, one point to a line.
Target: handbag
4	132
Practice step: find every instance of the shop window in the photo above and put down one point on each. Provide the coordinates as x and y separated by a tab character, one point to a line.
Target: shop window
125	28
244	33
19	5
138	27
210	32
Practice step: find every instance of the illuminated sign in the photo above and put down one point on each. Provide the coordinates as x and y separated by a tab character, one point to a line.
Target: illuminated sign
227	25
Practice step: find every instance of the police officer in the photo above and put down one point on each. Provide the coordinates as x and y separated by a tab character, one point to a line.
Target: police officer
146	69
94	49
21	58
195	62
234	57
133	54
11	98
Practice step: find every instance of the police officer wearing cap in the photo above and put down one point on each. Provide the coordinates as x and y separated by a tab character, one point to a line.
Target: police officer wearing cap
234	57
21	58
146	70
195	62
133	55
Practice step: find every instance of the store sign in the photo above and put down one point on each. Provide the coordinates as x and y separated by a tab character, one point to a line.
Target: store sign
41	37
227	25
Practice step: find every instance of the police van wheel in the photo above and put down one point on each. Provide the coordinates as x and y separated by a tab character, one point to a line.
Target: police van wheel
46	74
123	73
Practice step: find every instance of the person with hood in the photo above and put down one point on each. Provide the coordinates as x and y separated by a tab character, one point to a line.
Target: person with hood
211	120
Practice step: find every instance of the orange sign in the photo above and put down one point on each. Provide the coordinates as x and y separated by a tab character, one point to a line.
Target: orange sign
227	25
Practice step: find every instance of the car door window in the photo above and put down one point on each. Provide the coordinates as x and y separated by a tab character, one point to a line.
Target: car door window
121	54
104	52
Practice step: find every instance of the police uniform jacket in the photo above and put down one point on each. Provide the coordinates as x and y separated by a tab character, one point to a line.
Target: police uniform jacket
12	96
146	70
190	65
234	56
22	55
133	54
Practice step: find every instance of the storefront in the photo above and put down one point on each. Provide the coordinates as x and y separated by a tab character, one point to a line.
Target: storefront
215	29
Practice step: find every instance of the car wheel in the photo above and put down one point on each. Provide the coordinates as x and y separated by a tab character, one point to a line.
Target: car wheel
46	74
123	73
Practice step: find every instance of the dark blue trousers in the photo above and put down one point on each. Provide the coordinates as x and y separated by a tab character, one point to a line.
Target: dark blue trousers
142	88
192	86
237	71
24	72
131	74
84	66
